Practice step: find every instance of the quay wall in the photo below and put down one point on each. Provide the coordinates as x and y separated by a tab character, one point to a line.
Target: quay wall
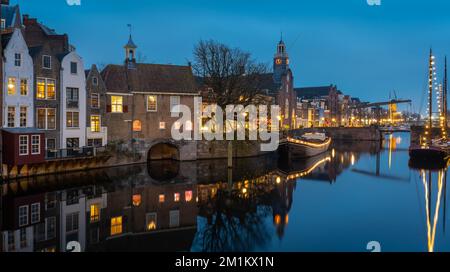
189	151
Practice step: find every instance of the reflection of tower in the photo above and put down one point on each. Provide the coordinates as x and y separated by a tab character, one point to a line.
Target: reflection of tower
282	198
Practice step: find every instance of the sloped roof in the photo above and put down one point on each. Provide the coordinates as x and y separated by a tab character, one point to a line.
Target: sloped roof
11	14
149	78
312	92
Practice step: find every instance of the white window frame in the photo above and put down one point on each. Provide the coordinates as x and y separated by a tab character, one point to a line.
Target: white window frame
116	105
20	116
19	60
46	83
27	145
174	100
172	215
38	213
26	86
98	101
72	113
46	118
43	62
7	116
26	215
99	123
156	103
38	144
76	68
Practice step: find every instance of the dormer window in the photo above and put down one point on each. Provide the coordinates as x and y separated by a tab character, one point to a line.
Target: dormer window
95	81
46	62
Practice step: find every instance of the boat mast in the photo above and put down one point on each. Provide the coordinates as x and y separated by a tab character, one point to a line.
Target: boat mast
428	128
444	103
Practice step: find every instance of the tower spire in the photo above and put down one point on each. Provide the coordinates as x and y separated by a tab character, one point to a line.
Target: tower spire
130	48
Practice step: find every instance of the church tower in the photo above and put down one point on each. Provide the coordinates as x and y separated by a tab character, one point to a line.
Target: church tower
130	53
280	62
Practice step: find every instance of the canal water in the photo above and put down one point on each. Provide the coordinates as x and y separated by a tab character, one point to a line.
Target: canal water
357	197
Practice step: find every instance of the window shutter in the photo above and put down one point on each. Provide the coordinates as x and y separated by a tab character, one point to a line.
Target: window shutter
125	109
108	108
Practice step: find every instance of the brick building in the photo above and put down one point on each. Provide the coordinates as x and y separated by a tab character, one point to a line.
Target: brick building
139	98
46	47
96	129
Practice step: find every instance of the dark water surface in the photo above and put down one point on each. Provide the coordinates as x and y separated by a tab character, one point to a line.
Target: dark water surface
339	201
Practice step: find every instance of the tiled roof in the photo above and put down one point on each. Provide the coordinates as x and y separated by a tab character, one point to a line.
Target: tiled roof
149	78
312	92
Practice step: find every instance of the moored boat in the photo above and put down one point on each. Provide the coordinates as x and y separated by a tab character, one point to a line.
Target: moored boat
308	145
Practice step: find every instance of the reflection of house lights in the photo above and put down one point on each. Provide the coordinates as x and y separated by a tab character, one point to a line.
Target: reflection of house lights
244	191
353	159
277	219
278	180
333	153
286	219
151	225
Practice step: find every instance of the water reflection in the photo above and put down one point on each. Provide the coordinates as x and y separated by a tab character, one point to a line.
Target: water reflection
262	204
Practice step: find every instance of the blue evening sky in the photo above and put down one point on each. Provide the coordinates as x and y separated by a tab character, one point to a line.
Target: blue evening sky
367	51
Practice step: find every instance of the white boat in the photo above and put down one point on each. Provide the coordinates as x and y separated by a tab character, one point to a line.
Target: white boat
308	145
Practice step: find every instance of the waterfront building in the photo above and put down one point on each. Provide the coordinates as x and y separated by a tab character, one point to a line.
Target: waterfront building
138	102
18	102
46	48
96	129
73	101
330	94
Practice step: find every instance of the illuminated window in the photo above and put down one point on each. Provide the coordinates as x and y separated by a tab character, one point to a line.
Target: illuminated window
45	88
116	104
23	86
188	196
162	125
176	197
137	200
152	101
95	123
151	221
177	125
162	198
137	125
95	213
51	91
11	86
116	225
40	88
72	119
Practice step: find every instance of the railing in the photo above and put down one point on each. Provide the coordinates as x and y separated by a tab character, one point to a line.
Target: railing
70	153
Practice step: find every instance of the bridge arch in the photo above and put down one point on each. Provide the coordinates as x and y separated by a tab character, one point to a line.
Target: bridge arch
163	150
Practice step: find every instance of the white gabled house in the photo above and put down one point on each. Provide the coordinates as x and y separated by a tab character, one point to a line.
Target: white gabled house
73	101
18	99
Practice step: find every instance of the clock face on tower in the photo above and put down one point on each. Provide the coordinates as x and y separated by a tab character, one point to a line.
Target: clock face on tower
278	61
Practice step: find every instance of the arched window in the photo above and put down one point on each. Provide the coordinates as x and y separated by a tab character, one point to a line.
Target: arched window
137	125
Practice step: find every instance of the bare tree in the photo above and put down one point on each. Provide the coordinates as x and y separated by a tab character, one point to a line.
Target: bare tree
231	75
